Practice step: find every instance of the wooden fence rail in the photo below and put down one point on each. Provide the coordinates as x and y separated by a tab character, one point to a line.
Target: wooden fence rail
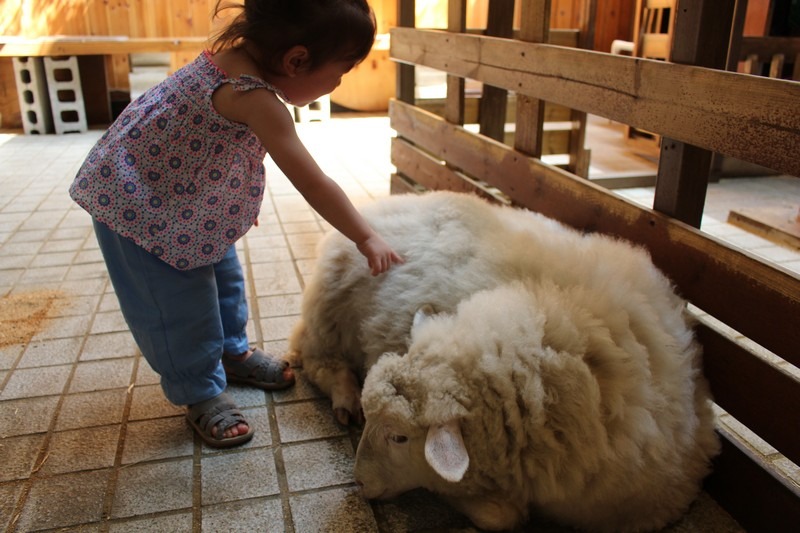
682	102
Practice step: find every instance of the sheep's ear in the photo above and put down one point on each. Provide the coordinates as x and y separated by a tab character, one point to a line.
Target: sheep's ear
445	451
422	314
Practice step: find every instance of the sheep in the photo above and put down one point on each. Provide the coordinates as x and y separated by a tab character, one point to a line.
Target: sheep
533	396
452	246
510	364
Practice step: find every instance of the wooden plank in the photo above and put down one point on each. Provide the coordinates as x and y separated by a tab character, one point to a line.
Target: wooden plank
187	17
683	176
766	47
552	112
401	185
656	46
659	4
776	65
727	283
701	37
748	489
94	85
685	103
579	156
118	68
430	173
557	36
456	22
117	13
780	225
75	46
615	22
534	27
10	113
759	17
96	21
495	99
758	394
406	76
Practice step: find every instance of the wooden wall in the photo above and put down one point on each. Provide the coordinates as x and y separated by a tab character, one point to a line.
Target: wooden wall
131	18
135	18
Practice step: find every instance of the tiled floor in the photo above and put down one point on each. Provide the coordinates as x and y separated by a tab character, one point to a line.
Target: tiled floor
88	442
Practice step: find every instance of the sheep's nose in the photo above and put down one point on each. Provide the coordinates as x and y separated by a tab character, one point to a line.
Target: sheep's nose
360	484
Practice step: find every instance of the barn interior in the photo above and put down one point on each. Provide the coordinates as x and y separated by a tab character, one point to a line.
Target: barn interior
671	123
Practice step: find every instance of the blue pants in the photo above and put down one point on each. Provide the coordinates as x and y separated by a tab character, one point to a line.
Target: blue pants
182	320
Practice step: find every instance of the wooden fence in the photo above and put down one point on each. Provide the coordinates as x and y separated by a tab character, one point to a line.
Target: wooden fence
696	110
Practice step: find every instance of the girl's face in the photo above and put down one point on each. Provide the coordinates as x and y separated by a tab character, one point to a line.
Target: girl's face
307	85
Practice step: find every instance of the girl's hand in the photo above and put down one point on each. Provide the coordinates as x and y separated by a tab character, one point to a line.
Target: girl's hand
379	254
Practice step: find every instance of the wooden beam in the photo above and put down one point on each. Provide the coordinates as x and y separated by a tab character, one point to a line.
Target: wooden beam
76	46
430	173
751	491
766	47
701	37
779	224
406	76
534	27
746	386
494	99
454	105
689	104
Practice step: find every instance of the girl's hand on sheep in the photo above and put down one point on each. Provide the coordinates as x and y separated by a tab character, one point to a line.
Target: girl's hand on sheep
379	254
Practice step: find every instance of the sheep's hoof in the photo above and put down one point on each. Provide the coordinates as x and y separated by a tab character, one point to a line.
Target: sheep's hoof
345	417
342	416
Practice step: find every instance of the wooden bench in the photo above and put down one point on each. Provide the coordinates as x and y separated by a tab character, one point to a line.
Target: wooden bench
96	61
749	311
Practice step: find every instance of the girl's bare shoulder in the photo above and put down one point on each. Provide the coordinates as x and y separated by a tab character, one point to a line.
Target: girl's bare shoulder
239	105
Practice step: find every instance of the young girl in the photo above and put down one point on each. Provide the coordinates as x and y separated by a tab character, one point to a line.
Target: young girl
179	177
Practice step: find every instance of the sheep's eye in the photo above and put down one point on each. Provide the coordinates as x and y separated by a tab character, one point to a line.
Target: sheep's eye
399	439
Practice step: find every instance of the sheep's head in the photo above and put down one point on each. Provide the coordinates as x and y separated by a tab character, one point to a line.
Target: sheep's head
412	437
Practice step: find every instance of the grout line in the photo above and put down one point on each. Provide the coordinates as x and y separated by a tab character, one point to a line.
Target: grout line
111	488
197	484
277	445
43	454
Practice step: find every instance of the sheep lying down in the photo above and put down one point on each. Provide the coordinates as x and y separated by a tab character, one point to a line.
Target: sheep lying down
510	365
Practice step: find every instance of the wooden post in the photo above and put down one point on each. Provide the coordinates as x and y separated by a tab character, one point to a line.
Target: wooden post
535	28
454	104
701	37
494	100
578	154
406	83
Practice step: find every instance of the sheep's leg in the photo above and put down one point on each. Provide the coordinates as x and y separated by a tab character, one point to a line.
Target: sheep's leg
489	513
346	397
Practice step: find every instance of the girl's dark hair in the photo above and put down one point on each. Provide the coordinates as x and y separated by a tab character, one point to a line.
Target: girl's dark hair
331	30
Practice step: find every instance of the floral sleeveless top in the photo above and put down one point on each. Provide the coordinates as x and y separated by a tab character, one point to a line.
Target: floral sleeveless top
175	176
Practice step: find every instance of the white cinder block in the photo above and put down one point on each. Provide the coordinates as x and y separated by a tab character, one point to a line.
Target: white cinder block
66	96
34	100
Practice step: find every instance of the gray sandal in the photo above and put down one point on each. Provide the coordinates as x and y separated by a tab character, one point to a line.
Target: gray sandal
259	370
220	412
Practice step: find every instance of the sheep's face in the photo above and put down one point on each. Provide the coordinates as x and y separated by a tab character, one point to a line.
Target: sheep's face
412	436
390	458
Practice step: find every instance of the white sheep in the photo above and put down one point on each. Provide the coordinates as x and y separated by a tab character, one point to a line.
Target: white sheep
453	244
559	372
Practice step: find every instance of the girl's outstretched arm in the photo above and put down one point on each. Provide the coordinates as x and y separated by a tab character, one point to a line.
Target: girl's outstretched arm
269	119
